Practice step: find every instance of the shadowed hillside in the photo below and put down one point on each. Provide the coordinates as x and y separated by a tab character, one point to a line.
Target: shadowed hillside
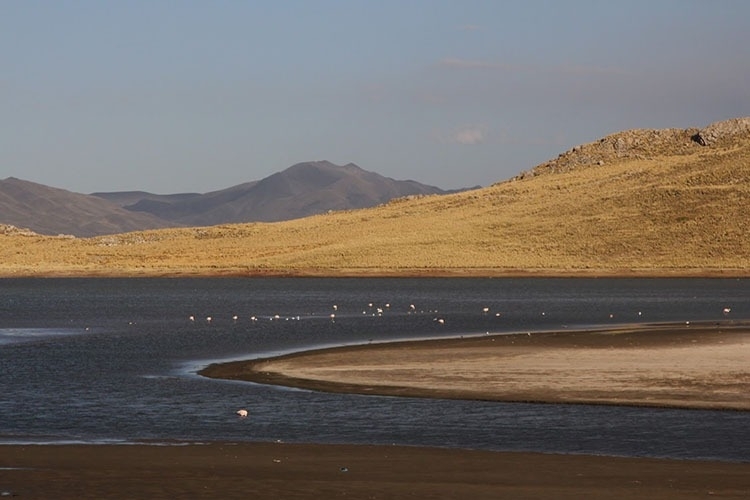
299	191
49	210
639	202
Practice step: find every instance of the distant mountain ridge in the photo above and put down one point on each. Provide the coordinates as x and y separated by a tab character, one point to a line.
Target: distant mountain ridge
53	211
301	190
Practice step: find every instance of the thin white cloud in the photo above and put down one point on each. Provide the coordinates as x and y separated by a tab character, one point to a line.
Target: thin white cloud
470	135
577	69
569	69
458	63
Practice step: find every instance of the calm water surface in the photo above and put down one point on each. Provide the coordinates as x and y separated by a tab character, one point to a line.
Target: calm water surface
114	360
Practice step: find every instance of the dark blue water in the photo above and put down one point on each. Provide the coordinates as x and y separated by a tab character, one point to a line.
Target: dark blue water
113	360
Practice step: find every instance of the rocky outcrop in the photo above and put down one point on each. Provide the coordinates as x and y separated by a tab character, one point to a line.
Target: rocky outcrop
723	131
643	144
627	145
10	230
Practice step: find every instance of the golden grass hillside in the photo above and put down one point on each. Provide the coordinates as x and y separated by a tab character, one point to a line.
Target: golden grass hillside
642	202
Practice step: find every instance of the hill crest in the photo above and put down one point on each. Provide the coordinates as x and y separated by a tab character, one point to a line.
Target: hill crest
643	144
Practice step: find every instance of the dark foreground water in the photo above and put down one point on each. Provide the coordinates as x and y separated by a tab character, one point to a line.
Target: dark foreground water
115	360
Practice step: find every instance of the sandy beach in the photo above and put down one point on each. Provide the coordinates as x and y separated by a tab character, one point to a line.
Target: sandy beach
691	366
677	365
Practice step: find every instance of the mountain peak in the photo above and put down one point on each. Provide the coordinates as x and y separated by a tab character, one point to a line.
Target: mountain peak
306	188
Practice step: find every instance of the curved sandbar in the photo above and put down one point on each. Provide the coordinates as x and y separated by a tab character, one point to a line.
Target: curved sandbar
700	365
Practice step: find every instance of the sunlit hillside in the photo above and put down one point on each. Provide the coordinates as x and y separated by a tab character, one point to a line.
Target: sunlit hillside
641	202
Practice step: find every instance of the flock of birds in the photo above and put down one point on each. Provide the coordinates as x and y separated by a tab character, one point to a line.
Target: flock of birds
377	311
371	311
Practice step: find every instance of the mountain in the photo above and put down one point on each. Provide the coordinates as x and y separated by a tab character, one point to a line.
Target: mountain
671	202
299	191
48	210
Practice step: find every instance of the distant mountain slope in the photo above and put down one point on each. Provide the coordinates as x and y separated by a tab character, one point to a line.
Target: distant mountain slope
125	198
52	211
299	191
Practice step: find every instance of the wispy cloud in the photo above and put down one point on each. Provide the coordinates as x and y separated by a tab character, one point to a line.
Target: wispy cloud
578	69
568	69
470	135
458	63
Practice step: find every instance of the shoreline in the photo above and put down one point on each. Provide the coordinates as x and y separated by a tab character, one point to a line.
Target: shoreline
308	471
415	273
691	366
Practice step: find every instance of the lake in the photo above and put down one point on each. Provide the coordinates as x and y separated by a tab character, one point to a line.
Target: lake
115	361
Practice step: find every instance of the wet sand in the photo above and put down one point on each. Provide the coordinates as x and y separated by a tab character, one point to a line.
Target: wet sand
677	365
272	471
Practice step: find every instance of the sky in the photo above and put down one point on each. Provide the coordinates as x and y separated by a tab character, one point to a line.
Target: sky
196	96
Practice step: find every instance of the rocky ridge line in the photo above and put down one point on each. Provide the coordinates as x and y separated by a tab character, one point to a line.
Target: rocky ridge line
640	144
10	230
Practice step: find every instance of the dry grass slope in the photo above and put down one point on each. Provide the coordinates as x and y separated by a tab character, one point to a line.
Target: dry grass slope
643	202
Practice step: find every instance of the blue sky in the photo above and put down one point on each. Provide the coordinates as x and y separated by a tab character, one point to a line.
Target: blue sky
194	96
